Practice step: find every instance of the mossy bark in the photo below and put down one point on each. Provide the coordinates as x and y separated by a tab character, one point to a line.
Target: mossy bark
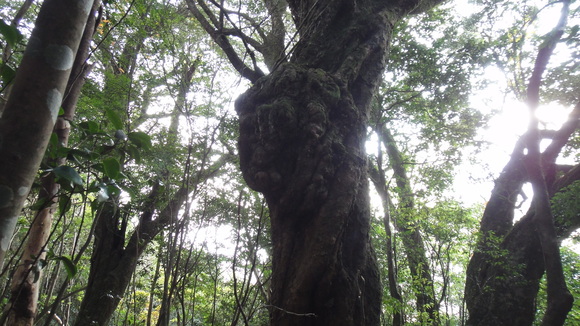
302	145
302	134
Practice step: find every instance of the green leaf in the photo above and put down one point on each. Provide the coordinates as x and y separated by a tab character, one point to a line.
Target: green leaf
98	167
574	30
112	167
69	265
90	127
10	33
69	174
64	204
53	140
134	152
62	151
75	155
114	118
95	204
113	189
7	73
39	204
140	139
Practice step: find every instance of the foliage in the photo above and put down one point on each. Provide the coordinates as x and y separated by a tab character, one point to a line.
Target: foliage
565	205
570	258
157	110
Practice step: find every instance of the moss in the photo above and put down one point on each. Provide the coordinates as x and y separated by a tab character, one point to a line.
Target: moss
324	86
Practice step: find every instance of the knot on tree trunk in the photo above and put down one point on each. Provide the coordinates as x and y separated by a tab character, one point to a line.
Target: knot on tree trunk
294	130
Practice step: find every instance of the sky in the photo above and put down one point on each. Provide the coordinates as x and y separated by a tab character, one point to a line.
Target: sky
509	123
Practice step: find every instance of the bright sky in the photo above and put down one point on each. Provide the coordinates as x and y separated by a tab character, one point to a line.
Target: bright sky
511	122
474	183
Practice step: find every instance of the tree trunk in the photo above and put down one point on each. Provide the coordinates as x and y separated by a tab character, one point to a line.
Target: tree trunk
28	276
33	104
301	143
504	273
153	287
410	234
302	135
170	275
377	176
113	262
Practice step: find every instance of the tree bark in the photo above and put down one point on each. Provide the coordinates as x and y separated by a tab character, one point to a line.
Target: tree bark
33	104
28	276
302	135
316	189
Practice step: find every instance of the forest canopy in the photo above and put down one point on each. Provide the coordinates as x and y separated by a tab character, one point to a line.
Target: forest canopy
289	162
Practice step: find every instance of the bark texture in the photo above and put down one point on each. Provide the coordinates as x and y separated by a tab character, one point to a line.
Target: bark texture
302	134
32	108
316	189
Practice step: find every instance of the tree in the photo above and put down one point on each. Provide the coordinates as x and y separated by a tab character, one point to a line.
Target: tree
504	273
422	121
34	102
25	282
408	227
301	144
154	139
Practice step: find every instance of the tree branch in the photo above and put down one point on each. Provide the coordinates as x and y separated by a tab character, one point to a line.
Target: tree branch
221	40
559	298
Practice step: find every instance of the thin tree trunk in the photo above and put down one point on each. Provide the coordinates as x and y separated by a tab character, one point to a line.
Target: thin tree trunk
410	234
28	276
153	286
171	270
32	109
15	21
378	178
7	53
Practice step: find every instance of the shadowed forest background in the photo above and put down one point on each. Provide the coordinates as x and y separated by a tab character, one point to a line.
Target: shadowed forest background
289	162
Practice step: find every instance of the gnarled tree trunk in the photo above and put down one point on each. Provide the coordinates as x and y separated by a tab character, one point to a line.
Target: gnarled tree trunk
302	134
